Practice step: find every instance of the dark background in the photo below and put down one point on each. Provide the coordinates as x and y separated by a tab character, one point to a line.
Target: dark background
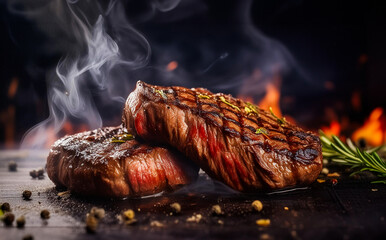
338	45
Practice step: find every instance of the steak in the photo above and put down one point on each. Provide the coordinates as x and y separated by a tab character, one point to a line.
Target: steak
109	162
233	141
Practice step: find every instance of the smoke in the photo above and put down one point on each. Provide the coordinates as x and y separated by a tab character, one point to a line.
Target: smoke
104	55
90	68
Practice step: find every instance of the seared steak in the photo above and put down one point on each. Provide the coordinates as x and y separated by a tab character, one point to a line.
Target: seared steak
233	141
108	162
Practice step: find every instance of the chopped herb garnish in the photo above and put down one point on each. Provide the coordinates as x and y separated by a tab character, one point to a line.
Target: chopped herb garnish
202	96
122	138
250	109
160	92
262	131
281	121
222	99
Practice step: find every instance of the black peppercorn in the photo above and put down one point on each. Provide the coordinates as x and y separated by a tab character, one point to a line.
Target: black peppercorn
27	195
28	237
33	174
6	207
8	219
12	166
20	222
45	214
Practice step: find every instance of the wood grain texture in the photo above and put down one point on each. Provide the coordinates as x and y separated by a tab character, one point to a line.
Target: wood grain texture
352	209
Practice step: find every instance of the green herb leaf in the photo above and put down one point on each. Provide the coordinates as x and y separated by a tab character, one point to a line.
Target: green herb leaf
202	96
281	121
122	138
338	152
222	99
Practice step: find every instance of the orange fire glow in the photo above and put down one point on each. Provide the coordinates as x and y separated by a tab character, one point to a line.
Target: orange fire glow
172	66
373	130
333	129
272	99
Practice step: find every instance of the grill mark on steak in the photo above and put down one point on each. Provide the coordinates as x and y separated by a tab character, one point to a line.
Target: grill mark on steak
233	153
89	163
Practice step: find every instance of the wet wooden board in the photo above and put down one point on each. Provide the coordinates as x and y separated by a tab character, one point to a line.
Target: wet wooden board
351	209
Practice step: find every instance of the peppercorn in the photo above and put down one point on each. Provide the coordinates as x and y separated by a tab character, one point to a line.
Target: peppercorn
20	222
8	219
12	166
45	214
216	210
91	223
27	195
98	213
33	174
6	207
28	237
257	205
40	172
176	207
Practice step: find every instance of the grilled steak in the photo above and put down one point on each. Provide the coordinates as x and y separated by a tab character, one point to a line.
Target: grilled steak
233	141
108	162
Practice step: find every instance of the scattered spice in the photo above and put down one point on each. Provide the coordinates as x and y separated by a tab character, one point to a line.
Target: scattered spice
216	210
320	180
37	174
334	181
28	237
257	205
221	222
45	214
12	166
91	223
20	222
27	195
286	208
156	224
374	189
8	219
334	174
222	99
128	217
325	171
6	207
65	194
195	218
203	96
263	222
98	213
176	207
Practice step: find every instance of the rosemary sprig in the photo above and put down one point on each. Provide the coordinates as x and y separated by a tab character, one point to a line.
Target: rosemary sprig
350	155
281	121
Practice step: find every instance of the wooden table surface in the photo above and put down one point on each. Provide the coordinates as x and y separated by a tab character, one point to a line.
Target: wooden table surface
352	209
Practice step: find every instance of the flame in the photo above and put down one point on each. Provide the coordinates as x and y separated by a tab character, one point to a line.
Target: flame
172	66
333	129
13	87
373	130
272	99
